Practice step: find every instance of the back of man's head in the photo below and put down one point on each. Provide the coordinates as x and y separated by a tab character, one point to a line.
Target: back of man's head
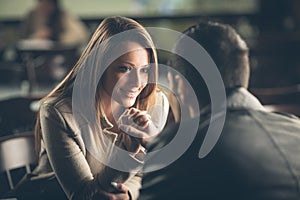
227	49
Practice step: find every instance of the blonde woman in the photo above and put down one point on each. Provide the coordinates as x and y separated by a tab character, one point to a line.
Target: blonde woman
108	106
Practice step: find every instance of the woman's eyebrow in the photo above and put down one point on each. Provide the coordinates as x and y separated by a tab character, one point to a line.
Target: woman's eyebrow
127	63
146	66
133	65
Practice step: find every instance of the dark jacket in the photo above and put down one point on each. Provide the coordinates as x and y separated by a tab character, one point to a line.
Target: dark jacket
256	157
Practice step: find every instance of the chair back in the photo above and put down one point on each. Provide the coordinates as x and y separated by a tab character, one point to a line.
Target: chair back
18	114
17	151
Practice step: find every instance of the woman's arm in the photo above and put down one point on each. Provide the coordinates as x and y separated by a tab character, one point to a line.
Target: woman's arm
67	158
65	155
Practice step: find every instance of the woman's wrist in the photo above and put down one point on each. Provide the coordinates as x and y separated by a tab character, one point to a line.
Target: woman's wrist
140	153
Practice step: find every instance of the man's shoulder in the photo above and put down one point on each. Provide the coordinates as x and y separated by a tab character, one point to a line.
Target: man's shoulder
262	120
252	134
254	139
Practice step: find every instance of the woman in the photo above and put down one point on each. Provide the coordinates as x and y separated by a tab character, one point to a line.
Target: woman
82	135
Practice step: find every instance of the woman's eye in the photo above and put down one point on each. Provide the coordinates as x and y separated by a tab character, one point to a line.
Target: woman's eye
145	70
124	69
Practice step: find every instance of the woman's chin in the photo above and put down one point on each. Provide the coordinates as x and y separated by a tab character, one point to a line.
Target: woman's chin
128	102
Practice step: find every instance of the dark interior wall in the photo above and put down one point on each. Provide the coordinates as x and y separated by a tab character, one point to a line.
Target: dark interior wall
273	34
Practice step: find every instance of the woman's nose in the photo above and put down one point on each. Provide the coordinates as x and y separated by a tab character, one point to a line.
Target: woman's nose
135	78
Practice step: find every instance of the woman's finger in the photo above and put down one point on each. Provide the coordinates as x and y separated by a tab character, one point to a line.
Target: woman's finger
120	187
139	117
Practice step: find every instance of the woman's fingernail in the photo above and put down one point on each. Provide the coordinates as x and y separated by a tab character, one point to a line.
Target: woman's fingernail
148	116
114	184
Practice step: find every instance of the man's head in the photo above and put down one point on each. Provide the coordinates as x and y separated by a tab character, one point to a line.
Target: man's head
227	49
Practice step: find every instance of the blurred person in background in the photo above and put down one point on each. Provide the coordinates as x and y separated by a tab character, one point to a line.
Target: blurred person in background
60	37
49	21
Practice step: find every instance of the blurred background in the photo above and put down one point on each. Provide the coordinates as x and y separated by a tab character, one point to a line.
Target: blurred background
30	70
271	28
30	67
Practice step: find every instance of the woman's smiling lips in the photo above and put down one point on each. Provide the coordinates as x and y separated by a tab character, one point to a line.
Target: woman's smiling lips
130	94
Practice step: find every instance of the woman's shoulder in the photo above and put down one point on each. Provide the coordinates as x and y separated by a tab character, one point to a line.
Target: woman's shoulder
161	97
60	110
60	104
161	102
159	111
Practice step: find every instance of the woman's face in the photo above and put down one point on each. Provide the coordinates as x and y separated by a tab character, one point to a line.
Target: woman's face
128	75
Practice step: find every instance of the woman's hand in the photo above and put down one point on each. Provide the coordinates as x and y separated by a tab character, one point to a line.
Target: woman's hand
138	123
121	193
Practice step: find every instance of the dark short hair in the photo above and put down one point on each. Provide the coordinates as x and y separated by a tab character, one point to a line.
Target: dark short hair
227	49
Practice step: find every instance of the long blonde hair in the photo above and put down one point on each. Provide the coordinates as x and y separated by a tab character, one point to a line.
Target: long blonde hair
106	29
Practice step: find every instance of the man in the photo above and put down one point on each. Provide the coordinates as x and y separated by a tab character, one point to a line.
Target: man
257	155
